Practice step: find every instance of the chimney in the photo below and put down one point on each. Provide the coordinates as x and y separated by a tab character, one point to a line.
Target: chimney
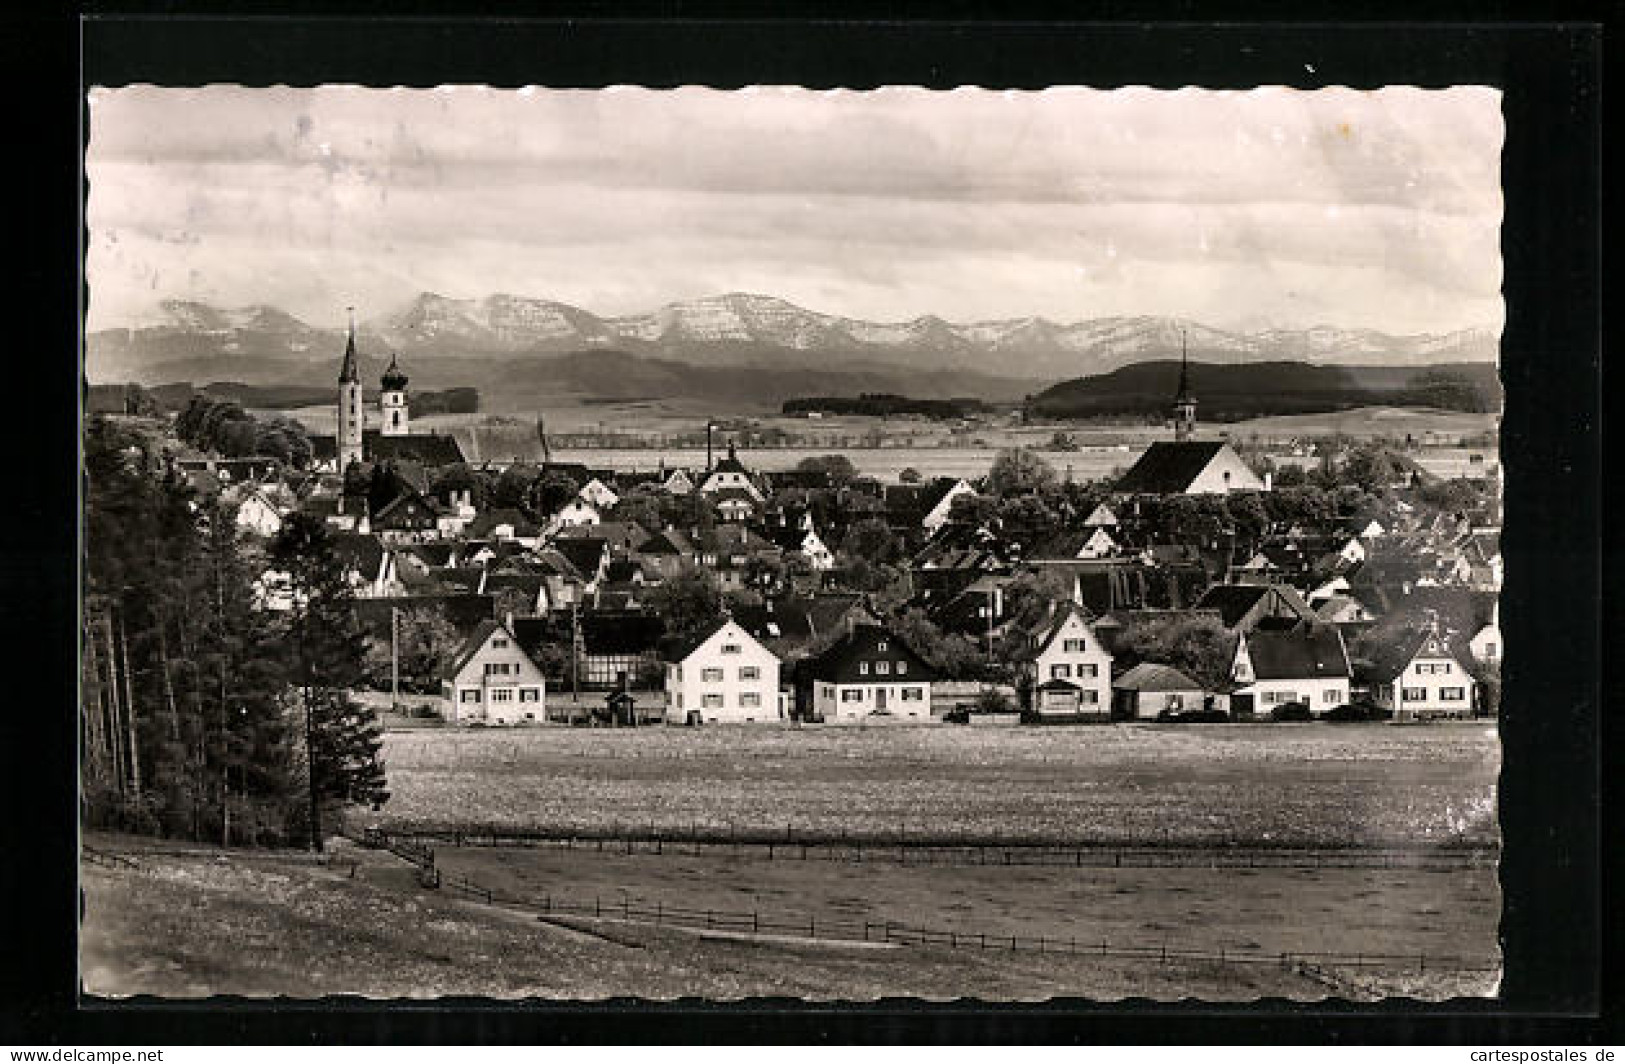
508	620
1269	481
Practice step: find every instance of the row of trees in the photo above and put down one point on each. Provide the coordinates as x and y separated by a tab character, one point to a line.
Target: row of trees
224	427
205	715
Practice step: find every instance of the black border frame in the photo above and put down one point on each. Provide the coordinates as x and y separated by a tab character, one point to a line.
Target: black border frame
1553	874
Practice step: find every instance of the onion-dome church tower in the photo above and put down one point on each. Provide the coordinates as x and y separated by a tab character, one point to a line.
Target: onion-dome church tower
392	401
1184	402
351	420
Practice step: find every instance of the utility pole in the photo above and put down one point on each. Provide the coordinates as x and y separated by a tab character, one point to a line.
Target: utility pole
394	659
575	651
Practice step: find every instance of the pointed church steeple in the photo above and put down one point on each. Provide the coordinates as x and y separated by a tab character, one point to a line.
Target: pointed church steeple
349	373
1184	401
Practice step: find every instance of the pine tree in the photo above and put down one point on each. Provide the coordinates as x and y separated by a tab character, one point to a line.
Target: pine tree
341	738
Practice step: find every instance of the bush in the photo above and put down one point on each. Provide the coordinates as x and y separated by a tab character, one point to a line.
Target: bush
1356	712
1292	711
1193	716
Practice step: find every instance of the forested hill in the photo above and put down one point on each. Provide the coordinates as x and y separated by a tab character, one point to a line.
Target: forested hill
1236	392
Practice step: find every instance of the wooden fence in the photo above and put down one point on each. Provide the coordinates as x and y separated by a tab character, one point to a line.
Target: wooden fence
756	923
789	843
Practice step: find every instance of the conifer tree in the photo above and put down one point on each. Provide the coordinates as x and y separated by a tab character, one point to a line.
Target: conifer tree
342	739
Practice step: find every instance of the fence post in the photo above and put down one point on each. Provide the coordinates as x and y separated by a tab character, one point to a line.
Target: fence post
1422	962
597	906
547	903
1165	953
659	909
755	923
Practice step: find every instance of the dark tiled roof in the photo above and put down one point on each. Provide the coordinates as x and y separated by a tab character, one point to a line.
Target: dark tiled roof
1168	468
585	554
1150	676
839	663
431	450
621	632
1300	654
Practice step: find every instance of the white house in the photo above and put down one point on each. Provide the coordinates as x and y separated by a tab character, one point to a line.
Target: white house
1423	678
1071	671
870	675
1271	667
1099	545
258	514
599	494
577	512
725	677
493	681
677	482
730	473
1100	517
1486	645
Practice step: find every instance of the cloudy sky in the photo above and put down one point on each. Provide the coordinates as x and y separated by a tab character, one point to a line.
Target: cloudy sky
1239	209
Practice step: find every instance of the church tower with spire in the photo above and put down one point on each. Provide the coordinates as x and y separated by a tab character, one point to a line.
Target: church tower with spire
1184	402
392	405
351	419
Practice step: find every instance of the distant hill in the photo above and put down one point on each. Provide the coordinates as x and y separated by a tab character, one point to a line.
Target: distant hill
1233	393
738	331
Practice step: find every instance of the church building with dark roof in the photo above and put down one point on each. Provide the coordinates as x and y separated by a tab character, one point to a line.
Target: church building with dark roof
1187	466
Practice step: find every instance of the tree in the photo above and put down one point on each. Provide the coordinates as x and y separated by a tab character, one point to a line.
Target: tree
951	654
1018	472
327	649
690	603
1196	645
459	477
837	467
512	488
425	642
550	492
871	540
909	475
641	506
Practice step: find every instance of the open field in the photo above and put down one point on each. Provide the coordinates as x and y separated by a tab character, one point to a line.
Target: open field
1246	912
282	924
907	442
1125	784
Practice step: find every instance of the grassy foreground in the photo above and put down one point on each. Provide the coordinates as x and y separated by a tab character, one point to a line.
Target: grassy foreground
208	923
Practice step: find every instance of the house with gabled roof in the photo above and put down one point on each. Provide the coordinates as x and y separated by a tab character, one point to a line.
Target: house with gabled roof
493	680
869	675
369	565
1417	673
730	473
1100	517
1189	467
1272	667
722	676
1068	669
599	494
1244	607
1150	689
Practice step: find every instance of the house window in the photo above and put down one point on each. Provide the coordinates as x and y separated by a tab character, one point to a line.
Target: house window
1452	694
1332	696
1489	650
1060	672
502	694
499	643
1174	702
730	648
863	668
913	694
750	700
711	675
711	701
881	645
902	668
471	694
882	668
1414	694
500	668
1090	695
530	694
1072	646
852	694
750	672
1088	671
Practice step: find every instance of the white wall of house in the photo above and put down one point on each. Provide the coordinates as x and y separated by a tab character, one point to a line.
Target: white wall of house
848	703
599	494
1432	685
258	516
730	678
1486	646
1226	472
939	513
498	685
723	479
1075	655
575	513
1145	705
818	554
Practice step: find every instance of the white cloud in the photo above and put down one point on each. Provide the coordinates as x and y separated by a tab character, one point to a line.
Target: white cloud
1376	209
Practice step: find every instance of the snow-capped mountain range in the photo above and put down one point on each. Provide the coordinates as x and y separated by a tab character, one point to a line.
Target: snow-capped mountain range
743	329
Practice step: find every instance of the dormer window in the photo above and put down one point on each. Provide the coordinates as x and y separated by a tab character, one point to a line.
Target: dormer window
863	668
730	648
881	645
